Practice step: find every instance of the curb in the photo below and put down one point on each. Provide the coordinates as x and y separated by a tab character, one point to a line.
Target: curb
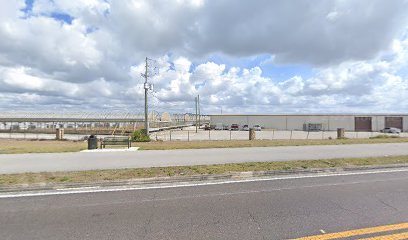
195	178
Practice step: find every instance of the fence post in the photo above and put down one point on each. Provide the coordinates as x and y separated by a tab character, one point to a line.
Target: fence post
322	134
273	134
291	132
307	136
209	134
170	135
230	135
188	135
252	134
340	133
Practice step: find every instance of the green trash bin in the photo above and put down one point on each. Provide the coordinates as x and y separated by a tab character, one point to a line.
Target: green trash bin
92	142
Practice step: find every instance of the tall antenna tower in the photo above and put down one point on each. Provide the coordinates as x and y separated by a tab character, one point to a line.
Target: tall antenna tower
151	69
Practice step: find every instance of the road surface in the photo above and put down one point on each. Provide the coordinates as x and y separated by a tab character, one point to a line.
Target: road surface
51	162
271	209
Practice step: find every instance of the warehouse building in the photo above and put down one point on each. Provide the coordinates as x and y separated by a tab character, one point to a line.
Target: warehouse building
325	122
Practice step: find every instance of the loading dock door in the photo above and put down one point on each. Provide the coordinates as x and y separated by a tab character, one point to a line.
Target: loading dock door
363	124
395	122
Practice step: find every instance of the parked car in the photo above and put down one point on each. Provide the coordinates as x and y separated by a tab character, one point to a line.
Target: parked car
219	126
207	127
245	128
234	127
226	127
391	130
257	128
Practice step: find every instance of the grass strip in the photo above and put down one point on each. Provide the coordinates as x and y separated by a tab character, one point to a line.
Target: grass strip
259	143
40	146
8	180
27	146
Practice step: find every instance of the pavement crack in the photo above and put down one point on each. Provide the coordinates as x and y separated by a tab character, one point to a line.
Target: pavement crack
343	208
386	204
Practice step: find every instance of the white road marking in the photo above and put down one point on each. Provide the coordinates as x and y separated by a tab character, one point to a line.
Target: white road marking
100	189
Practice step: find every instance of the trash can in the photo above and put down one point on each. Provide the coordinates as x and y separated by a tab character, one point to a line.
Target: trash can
92	142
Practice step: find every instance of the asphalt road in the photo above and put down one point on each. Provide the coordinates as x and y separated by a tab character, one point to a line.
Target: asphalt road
51	162
272	209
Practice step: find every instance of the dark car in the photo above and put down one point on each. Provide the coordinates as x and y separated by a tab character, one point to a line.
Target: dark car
234	127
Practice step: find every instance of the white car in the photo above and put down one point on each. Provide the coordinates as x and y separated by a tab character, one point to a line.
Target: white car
245	128
391	130
257	128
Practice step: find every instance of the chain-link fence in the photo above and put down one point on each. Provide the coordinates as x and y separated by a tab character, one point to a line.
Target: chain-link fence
209	135
201	135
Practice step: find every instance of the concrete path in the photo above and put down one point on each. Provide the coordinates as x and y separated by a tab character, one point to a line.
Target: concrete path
19	163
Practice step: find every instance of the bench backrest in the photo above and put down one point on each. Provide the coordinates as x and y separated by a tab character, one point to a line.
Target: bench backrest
116	139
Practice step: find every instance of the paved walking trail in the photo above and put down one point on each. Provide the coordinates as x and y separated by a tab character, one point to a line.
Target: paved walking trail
50	162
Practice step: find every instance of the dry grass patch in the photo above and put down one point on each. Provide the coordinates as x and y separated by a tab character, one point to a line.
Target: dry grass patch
259	143
128	174
50	146
36	146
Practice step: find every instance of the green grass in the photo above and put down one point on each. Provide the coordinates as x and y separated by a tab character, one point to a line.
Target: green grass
7	180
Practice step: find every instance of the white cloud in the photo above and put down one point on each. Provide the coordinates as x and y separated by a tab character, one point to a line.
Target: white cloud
357	50
333	15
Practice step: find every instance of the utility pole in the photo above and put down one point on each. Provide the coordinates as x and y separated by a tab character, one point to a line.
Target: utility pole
199	111
149	72
146	88
196	107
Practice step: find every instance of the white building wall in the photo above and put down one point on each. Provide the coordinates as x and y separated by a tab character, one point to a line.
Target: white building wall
229	119
268	122
341	121
296	122
378	123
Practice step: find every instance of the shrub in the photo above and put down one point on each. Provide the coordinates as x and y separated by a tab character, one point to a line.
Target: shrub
384	136
140	136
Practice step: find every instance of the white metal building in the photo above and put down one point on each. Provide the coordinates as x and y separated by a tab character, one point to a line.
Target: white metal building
350	122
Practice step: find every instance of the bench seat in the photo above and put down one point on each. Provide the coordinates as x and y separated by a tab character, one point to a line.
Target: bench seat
125	141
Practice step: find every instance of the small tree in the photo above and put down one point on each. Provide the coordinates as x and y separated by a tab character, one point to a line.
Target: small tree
140	136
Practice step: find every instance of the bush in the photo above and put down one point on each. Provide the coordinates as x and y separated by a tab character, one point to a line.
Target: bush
384	136
140	136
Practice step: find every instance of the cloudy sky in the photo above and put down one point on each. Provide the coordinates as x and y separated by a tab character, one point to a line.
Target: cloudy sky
258	56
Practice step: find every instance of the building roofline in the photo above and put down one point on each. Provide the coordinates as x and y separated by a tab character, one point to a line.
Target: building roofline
317	114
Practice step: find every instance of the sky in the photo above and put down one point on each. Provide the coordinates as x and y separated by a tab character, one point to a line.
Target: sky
257	57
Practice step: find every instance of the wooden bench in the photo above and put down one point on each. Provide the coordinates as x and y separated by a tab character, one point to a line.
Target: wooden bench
125	141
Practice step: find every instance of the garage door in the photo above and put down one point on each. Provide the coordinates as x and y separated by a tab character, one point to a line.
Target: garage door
363	124
395	122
